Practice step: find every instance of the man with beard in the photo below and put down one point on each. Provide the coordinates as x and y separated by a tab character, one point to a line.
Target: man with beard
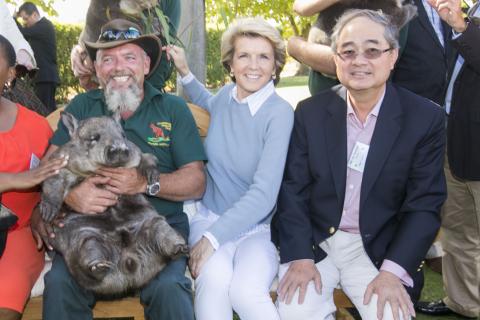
157	123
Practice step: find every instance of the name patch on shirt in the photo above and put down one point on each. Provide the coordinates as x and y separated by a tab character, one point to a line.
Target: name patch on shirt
358	158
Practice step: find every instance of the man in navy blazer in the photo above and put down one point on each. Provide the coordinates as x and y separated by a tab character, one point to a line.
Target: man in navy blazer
460	235
359	204
423	65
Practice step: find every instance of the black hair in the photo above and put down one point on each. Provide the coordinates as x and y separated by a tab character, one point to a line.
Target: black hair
28	8
7	50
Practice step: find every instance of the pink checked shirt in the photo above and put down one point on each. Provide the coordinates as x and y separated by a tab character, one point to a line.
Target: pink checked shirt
362	132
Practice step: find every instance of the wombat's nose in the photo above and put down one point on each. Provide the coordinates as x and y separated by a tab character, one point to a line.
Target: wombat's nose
117	156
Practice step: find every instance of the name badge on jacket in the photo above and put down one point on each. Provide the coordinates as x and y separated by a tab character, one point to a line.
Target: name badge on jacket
358	157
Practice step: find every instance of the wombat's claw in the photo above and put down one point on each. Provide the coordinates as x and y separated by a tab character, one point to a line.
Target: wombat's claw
48	211
100	266
181	249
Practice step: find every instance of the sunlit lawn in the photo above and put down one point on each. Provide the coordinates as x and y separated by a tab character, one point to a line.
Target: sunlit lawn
293	81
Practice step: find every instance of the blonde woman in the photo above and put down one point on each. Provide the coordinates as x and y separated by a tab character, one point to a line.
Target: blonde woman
232	259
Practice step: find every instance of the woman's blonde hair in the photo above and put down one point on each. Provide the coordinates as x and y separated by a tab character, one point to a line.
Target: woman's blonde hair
253	27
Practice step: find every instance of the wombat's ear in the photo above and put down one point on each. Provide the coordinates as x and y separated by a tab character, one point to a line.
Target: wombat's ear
70	122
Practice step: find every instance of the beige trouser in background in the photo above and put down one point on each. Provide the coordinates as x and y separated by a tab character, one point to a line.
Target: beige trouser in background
461	245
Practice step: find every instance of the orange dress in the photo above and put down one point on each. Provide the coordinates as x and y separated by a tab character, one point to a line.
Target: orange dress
21	262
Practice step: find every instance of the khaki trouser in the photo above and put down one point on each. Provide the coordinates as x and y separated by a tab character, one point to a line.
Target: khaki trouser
461	244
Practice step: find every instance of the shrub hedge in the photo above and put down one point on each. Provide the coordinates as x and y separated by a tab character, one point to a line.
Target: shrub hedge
67	37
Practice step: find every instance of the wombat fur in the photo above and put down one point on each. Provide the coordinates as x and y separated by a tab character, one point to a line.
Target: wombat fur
120	250
400	13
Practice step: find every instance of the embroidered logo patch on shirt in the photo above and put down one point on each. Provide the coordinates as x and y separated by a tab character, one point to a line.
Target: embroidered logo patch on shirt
161	134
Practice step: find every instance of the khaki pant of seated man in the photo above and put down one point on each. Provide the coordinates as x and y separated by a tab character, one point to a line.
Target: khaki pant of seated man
348	265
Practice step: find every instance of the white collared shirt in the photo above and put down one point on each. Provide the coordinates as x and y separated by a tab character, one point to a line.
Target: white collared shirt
456	69
435	21
254	101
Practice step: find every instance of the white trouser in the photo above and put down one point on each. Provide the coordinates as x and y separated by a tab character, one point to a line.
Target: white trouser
348	265
238	275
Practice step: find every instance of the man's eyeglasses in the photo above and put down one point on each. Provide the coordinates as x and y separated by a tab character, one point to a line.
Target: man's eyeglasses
370	54
112	35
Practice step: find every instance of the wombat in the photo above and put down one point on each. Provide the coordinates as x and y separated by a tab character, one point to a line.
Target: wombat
121	249
401	13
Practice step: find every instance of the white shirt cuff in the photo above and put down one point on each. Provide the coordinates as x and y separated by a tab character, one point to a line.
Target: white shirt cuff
456	34
187	79
212	239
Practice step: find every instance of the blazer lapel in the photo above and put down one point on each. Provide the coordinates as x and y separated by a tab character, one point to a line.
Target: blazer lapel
336	140
387	128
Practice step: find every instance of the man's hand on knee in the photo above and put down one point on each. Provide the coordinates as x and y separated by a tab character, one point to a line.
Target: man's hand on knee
389	288
298	275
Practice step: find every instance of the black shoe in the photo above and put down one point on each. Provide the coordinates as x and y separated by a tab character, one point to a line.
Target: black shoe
435	308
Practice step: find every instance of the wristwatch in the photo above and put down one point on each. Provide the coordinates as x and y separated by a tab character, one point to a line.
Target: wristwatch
153	188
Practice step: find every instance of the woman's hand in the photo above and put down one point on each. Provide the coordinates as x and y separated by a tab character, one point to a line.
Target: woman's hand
179	59
199	255
30	178
82	65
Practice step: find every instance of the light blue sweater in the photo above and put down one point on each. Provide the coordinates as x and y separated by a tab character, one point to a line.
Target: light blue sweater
246	157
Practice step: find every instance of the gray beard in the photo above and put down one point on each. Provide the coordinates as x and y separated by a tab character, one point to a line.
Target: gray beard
119	101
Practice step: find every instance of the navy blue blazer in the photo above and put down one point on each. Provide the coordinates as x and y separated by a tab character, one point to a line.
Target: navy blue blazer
402	190
42	38
463	133
423	65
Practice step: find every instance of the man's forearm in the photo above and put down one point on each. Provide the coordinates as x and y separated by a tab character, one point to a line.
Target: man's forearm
309	8
186	183
317	56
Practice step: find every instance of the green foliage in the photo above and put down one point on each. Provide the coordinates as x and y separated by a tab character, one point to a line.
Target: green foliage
45	5
221	13
216	74
67	37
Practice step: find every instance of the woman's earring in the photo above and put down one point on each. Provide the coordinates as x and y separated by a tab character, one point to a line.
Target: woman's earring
274	76
231	74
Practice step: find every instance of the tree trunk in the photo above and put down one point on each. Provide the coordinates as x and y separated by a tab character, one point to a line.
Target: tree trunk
192	34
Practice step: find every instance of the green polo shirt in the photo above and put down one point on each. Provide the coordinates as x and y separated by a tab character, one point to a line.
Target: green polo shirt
162	125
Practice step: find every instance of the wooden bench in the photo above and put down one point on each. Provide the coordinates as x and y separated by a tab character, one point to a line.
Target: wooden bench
123	308
131	307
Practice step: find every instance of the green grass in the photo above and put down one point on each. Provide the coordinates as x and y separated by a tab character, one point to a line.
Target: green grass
433	290
293	81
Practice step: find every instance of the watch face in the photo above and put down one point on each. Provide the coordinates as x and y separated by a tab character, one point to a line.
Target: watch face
153	188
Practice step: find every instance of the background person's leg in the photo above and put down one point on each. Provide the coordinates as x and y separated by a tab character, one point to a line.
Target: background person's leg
45	91
461	245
